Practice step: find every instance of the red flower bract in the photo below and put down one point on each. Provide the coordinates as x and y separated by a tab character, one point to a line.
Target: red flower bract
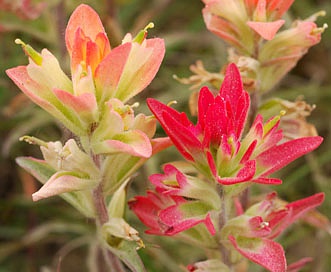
167	215
215	144
262	223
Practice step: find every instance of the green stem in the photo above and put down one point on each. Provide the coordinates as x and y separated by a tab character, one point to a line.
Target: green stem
113	261
222	219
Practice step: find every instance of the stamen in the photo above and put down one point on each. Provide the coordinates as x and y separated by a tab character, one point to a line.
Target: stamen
149	26
171	103
20	42
143	33
135	105
264	225
30	52
314	16
320	29
33	140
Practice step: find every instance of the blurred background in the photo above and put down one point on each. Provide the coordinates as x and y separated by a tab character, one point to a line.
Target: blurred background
33	236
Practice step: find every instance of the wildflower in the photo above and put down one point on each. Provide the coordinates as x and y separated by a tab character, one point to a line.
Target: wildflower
294	122
178	203
92	104
98	73
263	52
278	56
252	233
71	168
237	22
215	145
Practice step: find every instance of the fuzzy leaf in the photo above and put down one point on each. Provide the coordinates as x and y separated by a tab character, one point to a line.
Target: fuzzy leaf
81	200
132	142
127	252
38	168
63	182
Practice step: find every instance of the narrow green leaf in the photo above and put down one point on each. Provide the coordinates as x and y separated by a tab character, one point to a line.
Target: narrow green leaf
127	252
38	168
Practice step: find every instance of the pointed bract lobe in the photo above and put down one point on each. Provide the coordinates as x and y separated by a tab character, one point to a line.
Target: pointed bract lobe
238	99
109	71
264	252
45	98
141	67
85	18
252	233
174	123
267	30
62	182
280	155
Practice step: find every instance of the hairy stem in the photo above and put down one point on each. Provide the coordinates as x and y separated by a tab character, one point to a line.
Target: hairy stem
100	205
99	200
111	259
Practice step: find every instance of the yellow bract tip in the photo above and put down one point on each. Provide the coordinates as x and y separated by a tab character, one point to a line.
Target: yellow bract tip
282	112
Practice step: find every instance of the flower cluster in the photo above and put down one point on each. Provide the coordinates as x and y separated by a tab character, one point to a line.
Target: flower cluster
229	148
252	233
215	145
99	74
179	202
225	162
262	50
92	104
92	169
